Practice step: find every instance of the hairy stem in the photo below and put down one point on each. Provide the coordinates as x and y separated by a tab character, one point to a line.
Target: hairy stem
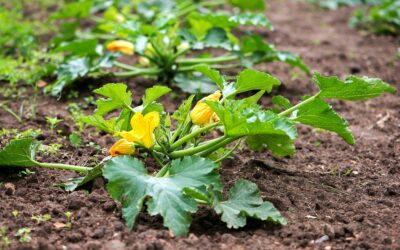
63	166
299	105
195	150
193	135
216	146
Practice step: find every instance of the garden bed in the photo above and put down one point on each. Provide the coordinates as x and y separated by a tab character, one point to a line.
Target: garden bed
333	195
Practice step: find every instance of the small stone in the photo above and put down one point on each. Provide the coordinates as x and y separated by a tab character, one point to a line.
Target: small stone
115	245
74	237
322	239
10	188
75	204
109	206
119	226
329	230
387	241
98	233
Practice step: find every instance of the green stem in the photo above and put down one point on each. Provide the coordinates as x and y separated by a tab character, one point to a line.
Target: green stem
193	135
137	72
178	131
227	154
156	158
7	109
195	150
224	58
214	66
299	105
63	166
163	170
216	146
125	66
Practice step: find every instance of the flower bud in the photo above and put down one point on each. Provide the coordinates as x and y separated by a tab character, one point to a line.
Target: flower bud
122	46
144	61
183	46
122	147
202	114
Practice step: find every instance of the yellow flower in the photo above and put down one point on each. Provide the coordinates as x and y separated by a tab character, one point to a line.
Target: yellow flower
202	114
142	129
122	46
122	147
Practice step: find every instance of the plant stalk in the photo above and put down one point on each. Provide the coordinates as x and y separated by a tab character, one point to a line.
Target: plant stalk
80	169
198	149
193	134
299	105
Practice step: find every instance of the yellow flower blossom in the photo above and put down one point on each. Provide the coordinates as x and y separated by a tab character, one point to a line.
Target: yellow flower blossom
122	46
122	147
202	114
142	129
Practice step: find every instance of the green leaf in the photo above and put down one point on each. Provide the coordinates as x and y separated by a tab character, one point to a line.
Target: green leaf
281	56
118	97
182	112
352	89
320	114
99	122
74	183
217	38
254	98
130	183
281	101
245	201
213	74
241	119
78	47
248	5
68	72
75	140
279	145
256	19
195	83
250	79
19	153
153	94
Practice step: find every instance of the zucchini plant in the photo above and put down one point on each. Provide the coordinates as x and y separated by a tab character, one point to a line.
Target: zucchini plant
188	160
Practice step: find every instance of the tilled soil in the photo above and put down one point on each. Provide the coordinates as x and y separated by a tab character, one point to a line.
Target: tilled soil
334	196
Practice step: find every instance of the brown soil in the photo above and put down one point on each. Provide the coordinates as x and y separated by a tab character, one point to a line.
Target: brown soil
347	195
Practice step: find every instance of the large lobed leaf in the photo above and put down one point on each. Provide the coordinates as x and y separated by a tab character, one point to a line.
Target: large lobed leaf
245	201
117	97
352	89
320	114
19	153
130	183
260	126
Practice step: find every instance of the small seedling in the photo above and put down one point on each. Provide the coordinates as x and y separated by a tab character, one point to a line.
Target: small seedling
26	172
15	213
50	149
5	241
41	218
24	235
68	214
52	122
75	140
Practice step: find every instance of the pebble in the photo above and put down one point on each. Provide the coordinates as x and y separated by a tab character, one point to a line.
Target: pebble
322	239
115	245
74	237
10	188
109	206
98	233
